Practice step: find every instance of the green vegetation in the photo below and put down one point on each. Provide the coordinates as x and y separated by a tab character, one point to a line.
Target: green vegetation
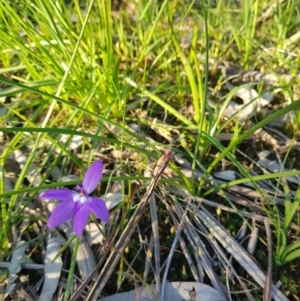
216	81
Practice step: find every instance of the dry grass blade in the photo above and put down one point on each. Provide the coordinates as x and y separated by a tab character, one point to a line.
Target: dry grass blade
52	269
243	201
268	285
237	252
182	193
84	284
14	268
202	258
251	247
251	193
155	237
184	246
128	231
85	259
174	244
189	259
226	263
149	254
155	230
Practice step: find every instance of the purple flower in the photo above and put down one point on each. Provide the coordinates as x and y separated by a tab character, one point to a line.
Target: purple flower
78	204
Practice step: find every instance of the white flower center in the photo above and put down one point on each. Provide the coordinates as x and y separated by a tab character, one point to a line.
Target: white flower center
80	198
83	199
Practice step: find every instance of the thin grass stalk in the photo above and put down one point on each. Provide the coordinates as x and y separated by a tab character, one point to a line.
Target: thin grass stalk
23	171
189	72
190	234
172	250
290	208
4	216
267	289
149	254
189	259
199	151
151	33
250	10
72	269
291	211
155	230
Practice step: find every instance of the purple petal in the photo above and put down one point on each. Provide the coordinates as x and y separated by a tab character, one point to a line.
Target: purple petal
62	213
80	219
98	207
92	176
62	194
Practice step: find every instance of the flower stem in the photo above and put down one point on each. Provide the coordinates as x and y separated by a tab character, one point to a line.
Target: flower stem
72	268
